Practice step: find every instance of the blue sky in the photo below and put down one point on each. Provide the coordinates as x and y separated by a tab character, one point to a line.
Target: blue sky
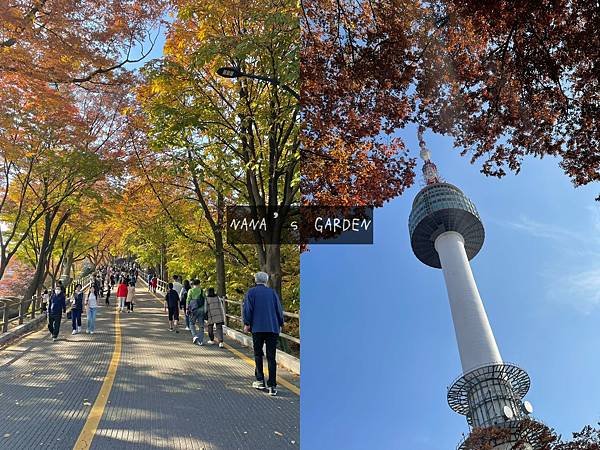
378	346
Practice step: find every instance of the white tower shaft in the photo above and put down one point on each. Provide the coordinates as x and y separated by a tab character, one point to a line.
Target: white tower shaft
476	342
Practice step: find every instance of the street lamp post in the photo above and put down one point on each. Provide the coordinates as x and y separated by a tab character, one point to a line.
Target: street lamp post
234	72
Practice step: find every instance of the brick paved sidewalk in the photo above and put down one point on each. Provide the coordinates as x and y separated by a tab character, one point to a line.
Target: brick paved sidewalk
168	393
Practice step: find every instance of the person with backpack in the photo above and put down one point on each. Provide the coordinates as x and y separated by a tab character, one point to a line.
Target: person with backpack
263	317
92	304
172	305
215	316
183	301
57	305
195	311
77	309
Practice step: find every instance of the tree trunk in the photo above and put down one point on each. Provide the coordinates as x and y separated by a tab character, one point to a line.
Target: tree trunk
272	266
220	262
40	269
66	268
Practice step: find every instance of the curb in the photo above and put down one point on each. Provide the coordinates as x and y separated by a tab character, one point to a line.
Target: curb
21	330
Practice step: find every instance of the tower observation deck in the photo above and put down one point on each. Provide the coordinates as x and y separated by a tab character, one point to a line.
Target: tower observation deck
446	232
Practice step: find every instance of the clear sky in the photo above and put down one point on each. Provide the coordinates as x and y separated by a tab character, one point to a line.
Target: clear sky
378	345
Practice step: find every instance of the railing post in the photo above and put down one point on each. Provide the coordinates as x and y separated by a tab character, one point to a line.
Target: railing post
4	317
21	312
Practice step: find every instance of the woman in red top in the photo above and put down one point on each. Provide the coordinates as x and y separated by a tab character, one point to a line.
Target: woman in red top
121	294
154	284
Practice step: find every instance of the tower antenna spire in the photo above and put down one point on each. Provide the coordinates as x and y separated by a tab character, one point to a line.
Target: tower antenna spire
430	171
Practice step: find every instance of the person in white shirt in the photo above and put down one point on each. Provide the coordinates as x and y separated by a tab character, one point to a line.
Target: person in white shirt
92	304
177	286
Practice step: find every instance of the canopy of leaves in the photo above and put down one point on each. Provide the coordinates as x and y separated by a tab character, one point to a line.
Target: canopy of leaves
505	81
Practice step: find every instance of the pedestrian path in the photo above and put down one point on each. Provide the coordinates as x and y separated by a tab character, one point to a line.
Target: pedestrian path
162	392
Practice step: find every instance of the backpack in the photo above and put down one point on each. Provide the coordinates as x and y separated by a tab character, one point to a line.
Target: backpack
197	303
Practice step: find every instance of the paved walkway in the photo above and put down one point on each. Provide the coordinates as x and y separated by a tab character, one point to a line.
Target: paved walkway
167	393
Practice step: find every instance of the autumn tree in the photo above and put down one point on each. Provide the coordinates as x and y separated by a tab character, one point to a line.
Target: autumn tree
238	141
534	433
505	81
61	41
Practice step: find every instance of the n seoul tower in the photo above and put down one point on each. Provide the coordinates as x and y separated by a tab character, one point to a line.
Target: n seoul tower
446	232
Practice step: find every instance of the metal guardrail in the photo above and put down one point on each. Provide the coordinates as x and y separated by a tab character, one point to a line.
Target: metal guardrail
9	304
161	286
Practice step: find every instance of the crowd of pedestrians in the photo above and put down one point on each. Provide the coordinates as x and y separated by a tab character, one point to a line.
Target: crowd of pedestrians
262	316
104	279
262	312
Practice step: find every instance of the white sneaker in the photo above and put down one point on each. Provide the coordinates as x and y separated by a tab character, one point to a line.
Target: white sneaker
200	343
259	385
220	345
194	339
79	329
272	391
210	342
187	328
87	331
74	332
91	332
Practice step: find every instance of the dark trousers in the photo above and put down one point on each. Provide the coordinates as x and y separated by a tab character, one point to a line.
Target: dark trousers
54	324
270	339
129	306
211	331
76	318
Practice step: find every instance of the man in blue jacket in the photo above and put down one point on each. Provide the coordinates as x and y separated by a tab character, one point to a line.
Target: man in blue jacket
263	316
56	307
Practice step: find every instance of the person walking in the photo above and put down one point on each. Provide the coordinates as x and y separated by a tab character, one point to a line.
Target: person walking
172	305
77	309
263	317
107	300
91	304
97	284
130	295
195	309
150	276
45	299
154	283
183	301
121	295
215	316
57	305
177	286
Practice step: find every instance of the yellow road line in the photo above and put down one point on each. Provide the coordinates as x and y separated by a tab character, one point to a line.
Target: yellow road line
93	420
292	387
281	381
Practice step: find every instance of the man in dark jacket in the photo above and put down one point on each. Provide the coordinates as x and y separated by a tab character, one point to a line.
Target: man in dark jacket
263	316
56	307
77	309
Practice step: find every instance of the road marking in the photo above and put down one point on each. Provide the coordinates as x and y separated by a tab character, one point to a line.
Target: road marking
86	436
292	387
